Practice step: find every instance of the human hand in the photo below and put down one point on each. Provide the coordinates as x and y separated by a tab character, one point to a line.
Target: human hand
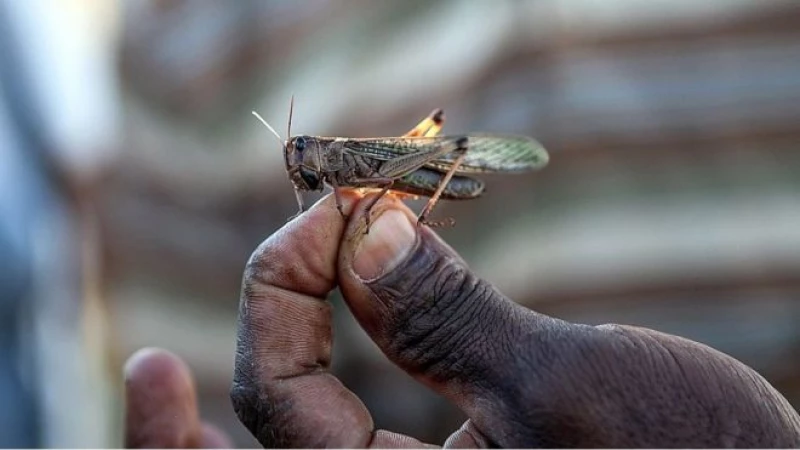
161	405
523	379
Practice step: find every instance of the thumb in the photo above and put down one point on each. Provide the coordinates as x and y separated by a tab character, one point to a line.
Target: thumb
427	311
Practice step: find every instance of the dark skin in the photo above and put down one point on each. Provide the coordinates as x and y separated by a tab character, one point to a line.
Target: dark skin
522	378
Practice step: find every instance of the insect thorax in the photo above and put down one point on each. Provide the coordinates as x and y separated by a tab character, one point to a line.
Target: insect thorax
355	169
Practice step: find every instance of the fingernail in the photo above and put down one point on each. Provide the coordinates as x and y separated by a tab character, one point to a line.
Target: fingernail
389	240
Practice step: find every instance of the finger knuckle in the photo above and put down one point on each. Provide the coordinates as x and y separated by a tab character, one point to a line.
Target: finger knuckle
260	265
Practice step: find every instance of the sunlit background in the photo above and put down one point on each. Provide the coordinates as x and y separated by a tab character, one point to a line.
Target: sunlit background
134	183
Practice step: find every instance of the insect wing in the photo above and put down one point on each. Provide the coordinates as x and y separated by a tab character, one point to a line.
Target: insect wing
498	153
392	147
486	153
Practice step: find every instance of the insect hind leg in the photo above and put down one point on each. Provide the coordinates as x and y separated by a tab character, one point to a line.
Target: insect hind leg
429	126
461	150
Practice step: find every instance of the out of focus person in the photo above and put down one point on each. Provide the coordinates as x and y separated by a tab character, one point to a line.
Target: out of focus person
57	126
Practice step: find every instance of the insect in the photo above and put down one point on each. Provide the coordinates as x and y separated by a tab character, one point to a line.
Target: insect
419	163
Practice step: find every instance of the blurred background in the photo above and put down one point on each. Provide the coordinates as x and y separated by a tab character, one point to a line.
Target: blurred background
134	183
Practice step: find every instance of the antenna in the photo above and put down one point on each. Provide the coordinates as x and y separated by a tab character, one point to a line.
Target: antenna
291	111
269	127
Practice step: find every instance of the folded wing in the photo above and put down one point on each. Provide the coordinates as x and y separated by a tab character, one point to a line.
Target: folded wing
487	152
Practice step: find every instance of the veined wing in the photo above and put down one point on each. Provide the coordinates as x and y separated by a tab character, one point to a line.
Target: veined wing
498	153
486	153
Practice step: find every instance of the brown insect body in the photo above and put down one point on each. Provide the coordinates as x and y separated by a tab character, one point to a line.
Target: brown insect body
424	181
418	163
314	161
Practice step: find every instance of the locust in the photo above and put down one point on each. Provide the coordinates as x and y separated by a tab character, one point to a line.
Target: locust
419	163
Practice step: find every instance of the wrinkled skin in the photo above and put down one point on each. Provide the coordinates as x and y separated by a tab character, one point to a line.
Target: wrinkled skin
523	379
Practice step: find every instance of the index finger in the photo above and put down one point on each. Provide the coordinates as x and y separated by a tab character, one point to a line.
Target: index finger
282	390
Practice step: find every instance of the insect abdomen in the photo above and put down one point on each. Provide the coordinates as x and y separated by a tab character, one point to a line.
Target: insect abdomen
425	181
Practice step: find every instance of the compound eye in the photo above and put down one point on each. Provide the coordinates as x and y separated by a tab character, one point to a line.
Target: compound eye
300	144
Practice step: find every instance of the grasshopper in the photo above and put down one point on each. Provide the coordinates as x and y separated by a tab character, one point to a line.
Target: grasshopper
419	163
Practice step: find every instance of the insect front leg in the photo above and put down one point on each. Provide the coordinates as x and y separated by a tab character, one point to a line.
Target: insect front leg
429	126
337	195
461	150
300	204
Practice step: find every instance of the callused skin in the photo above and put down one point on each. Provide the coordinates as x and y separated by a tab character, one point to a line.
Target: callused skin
524	379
